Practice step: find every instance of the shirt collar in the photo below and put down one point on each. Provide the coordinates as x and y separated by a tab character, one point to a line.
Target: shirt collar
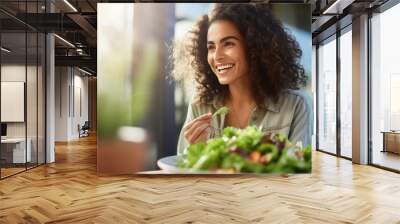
269	104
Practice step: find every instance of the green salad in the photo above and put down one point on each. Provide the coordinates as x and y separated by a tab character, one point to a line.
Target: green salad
247	151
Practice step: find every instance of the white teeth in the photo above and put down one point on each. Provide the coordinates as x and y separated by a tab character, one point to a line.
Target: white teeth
222	67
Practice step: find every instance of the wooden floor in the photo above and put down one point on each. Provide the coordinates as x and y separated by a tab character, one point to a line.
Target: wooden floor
5	172
387	159
70	191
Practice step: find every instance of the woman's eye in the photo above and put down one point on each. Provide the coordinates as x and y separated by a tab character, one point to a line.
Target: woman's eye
229	44
209	48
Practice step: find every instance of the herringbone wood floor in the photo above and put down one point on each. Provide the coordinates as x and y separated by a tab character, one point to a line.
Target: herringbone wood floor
70	191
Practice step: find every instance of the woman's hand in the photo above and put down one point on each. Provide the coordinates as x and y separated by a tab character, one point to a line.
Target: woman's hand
198	129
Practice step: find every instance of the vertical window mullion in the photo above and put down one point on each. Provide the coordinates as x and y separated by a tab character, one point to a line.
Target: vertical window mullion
369	73
44	72
338	73
26	86
37	90
317	96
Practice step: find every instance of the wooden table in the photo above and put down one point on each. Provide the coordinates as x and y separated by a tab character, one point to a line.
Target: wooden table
391	141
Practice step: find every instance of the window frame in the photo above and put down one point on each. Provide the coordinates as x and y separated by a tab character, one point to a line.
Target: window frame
378	10
333	37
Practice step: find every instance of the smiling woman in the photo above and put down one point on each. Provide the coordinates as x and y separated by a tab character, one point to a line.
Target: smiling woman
244	59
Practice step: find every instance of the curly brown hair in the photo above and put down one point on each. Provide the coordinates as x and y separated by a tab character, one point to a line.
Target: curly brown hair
273	55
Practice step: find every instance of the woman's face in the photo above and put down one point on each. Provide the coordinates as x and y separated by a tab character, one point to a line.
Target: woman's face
226	52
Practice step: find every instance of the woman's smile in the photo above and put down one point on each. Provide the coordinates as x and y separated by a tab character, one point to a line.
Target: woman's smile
224	68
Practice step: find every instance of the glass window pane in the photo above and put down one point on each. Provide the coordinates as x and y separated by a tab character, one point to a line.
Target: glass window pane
23	87
31	97
14	150
346	94
327	97
386	88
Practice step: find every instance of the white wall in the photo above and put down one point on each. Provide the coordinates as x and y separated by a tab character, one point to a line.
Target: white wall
71	94
12	73
62	81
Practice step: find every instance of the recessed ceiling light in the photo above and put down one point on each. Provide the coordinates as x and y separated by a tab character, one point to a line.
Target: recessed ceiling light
84	71
337	7
64	40
5	50
70	5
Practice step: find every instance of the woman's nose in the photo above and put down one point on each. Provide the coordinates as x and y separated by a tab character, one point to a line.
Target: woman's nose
219	53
